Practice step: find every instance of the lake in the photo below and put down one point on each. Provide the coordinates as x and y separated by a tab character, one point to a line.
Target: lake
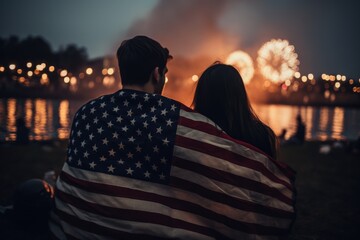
51	119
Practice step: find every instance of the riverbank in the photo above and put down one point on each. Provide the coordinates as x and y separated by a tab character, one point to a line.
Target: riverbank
327	184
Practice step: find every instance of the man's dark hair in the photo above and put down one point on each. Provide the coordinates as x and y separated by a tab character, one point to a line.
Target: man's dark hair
138	57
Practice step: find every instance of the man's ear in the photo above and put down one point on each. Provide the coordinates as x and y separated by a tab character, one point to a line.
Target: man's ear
156	74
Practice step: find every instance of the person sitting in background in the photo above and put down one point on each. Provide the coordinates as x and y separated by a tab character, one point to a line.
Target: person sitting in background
299	136
281	137
221	96
22	132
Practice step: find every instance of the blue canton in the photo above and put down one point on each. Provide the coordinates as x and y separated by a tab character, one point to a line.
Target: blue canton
128	133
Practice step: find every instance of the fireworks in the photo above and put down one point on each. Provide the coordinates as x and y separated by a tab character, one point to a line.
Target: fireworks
277	60
243	63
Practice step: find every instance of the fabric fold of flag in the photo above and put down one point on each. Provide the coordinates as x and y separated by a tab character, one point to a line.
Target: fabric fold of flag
142	166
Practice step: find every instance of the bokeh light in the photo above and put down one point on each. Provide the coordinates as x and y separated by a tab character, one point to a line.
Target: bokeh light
243	63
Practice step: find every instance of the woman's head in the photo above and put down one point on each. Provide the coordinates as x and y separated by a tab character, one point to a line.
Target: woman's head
221	96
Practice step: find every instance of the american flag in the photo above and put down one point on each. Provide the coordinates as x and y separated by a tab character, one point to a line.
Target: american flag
142	166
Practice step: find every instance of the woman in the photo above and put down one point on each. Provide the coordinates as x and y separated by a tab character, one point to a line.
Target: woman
221	96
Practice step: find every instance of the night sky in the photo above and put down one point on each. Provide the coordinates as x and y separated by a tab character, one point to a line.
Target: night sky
326	34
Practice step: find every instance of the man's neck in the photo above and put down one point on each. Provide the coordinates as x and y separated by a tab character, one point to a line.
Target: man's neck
149	88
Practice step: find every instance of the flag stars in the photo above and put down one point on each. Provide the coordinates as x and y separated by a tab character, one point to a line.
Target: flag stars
112	152
92	102
169	122
87	127
129	171
120	161
116	109
154	167
83	117
138	148
102	159
144	115
164	112
133	96
124	129
147	174
152	109
115	135
79	133
76	123
126	103
79	162
162	176
133	121
165	142
160	102
163	160
100	130
102	105
130	155
105	141
129	113
83	143
94	148
70	158
156	149
92	164
75	150
153	119
110	124
139	106
111	168
92	110
138	132
112	99
131	139
150	136
105	114
173	107
147	158
146	97
86	154
159	130
121	93
91	136
145	124
96	120
119	119
138	164
121	146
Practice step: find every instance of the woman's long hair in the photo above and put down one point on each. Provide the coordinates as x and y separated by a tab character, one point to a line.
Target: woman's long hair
221	96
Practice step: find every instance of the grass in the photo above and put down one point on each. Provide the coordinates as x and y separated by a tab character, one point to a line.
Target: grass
328	186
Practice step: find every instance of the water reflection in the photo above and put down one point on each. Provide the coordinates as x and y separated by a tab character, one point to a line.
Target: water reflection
51	119
322	123
63	130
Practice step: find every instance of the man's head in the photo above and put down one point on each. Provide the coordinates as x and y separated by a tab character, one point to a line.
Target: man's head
142	59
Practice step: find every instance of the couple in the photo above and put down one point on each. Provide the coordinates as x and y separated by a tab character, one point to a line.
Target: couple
143	166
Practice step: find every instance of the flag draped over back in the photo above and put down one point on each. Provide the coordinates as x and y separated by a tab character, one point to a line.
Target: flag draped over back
142	166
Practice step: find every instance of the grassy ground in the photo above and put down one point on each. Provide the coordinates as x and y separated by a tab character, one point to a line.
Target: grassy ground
328	186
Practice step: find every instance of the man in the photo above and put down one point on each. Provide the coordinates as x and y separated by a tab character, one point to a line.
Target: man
142	166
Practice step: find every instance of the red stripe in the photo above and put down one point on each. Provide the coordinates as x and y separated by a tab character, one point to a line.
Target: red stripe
137	216
230	201
212	130
172	203
229	156
100	230
125	192
231	179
